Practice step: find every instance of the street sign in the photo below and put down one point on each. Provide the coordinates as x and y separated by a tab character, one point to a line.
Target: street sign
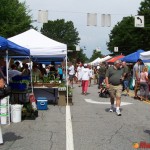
115	49
139	21
77	48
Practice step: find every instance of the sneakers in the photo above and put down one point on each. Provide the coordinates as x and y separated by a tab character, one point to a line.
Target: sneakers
118	112
111	109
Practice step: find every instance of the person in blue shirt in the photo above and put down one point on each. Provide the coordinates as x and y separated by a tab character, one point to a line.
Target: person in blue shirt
60	72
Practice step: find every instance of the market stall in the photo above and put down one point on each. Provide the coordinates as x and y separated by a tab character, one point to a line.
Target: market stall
133	57
42	49
8	48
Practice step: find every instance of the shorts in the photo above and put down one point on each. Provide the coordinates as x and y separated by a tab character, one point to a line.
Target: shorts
115	90
71	77
126	84
137	85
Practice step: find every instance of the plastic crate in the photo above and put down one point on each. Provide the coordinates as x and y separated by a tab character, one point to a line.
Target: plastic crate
42	103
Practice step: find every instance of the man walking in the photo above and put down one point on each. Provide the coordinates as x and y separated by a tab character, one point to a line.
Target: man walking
113	83
71	74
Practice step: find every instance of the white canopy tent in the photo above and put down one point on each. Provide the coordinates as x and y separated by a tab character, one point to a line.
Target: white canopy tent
96	61
39	44
145	55
105	58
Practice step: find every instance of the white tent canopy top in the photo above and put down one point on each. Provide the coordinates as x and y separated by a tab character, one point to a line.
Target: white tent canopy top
105	58
99	60
39	44
96	61
145	55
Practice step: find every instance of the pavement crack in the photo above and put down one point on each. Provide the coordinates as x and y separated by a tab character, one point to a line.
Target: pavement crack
114	134
42	116
51	141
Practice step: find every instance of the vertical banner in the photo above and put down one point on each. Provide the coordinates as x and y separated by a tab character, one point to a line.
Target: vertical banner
102	20
91	19
43	16
105	20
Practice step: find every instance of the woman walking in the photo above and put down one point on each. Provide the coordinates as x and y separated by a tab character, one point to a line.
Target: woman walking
85	76
144	87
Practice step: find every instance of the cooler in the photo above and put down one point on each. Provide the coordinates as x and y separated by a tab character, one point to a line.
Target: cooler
42	103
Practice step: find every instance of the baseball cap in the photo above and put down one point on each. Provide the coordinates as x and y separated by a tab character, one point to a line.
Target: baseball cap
117	62
85	65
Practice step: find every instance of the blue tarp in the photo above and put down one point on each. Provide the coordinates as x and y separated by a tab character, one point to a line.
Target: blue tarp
13	49
132	57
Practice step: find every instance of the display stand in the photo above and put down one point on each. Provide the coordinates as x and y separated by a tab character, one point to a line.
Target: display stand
5	111
62	96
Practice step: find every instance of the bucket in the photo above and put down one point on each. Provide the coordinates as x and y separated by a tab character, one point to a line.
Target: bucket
3	111
16	113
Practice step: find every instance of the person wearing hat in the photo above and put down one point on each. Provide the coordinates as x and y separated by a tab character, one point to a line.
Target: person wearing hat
85	76
113	77
137	69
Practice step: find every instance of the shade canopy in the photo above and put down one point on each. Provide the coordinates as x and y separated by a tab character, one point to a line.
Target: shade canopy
145	55
105	58
133	57
96	61
115	58
13	49
39	44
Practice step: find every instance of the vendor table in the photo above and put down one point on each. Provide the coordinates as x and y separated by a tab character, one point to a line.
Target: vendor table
18	96
51	93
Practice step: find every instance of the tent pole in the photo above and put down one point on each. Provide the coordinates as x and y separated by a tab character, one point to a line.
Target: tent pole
31	73
67	78
7	66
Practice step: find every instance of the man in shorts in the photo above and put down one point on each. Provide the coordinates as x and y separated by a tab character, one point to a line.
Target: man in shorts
114	75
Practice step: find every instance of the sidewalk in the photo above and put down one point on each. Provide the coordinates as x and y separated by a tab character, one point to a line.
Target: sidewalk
47	132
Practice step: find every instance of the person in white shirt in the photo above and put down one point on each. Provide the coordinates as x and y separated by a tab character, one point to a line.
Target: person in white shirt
85	79
79	72
13	72
71	74
91	74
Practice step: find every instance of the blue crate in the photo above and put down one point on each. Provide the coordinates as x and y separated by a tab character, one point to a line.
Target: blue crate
42	103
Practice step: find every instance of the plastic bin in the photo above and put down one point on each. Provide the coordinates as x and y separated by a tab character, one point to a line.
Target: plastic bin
42	103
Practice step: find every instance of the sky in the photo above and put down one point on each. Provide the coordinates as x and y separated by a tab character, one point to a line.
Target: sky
92	37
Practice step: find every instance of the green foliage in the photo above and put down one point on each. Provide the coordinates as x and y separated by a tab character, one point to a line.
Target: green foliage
77	56
61	31
14	18
95	55
64	32
129	38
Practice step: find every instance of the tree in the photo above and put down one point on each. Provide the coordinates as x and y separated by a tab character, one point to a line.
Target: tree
61	31
122	36
64	32
129	38
95	55
14	18
78	56
144	10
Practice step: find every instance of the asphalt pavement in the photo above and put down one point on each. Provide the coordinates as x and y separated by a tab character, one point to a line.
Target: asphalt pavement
93	126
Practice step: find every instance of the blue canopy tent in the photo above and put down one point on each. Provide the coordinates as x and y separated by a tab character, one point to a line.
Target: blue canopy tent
13	49
133	57
9	48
